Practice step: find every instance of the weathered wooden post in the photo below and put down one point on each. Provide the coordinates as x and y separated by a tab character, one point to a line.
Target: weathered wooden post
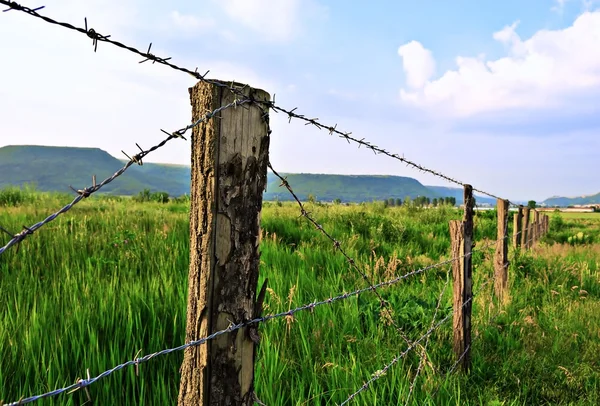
536	227
229	171
501	257
461	235
525	228
547	225
518	227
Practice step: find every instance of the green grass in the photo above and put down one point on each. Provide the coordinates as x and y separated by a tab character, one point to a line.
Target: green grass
109	278
572	215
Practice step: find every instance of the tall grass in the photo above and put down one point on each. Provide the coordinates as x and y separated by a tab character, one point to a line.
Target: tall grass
109	278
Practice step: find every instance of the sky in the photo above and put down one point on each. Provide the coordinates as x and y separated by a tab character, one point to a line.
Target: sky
504	95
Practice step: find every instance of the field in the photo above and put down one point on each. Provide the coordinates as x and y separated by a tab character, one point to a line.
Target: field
572	215
109	278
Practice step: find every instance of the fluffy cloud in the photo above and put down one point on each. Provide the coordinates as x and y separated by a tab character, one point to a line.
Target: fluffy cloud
540	72
418	64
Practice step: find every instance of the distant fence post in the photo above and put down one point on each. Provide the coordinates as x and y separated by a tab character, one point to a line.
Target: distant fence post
518	227
501	257
536	227
229	172
546	224
525	229
461	235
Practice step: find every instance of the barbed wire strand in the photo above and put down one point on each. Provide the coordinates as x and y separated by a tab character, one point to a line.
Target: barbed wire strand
422	360
337	245
377	150
86	192
82	383
383	371
457	362
97	37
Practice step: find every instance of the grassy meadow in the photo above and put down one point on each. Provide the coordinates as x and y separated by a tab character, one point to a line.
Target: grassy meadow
109	279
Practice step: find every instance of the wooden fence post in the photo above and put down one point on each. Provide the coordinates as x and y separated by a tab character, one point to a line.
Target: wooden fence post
518	227
536	227
501	257
461	235
525	228
229	172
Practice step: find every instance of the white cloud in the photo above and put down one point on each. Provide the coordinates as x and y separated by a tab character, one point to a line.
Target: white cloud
418	63
560	5
540	72
277	21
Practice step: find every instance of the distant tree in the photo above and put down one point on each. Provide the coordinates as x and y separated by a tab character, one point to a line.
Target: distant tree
453	201
385	203
337	201
160	197
407	201
143	196
428	201
391	201
532	204
312	198
435	202
398	202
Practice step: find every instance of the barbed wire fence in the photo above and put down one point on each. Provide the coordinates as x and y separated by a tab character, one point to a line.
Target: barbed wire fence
241	100
83	383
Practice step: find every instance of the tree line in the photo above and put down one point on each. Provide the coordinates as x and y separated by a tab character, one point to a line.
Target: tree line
420	201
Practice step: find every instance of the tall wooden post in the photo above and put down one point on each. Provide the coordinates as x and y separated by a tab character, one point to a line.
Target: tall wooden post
518	227
229	172
525	229
501	257
461	235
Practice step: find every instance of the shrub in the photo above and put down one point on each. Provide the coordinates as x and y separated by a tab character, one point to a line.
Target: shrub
15	196
160	197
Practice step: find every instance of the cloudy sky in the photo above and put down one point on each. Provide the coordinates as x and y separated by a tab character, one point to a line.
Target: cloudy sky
504	95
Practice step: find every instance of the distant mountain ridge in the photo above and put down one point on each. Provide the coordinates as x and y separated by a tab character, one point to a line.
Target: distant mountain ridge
572	201
55	168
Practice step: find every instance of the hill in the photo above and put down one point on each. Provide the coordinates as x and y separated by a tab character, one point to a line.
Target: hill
55	168
347	188
571	201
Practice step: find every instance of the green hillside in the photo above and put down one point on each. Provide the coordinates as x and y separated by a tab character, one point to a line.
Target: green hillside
55	168
570	201
347	188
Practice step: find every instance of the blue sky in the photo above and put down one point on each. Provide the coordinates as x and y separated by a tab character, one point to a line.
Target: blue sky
504	95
